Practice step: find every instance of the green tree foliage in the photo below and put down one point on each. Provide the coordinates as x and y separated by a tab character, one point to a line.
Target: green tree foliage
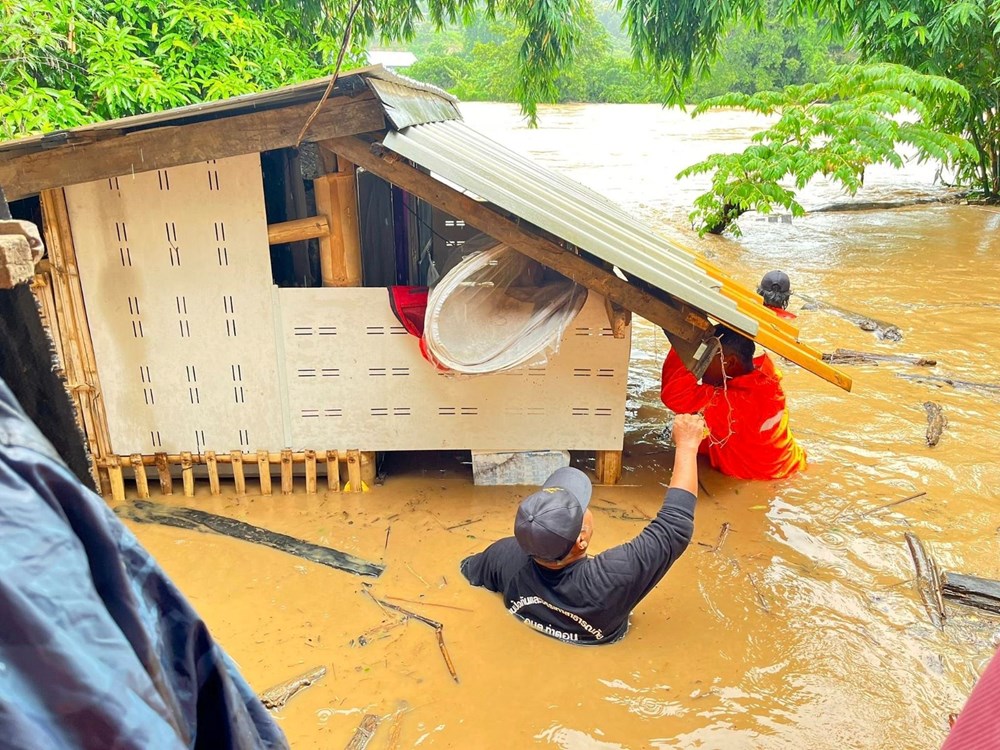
861	115
67	62
960	39
480	61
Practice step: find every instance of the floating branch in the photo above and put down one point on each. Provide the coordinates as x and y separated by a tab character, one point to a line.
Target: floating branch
278	696
143	511
723	533
892	504
928	584
364	733
938	380
936	422
438	629
852	357
881	328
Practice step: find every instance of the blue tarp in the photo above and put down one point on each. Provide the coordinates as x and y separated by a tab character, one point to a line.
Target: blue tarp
98	648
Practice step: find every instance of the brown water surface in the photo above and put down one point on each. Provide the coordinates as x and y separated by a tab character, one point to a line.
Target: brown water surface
803	631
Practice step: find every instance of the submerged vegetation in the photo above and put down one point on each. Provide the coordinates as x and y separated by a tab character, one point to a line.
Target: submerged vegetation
862	115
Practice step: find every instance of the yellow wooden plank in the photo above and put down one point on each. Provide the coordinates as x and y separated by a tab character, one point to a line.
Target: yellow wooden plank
800	356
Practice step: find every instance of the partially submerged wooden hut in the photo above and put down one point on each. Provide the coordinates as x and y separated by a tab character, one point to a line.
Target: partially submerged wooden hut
216	286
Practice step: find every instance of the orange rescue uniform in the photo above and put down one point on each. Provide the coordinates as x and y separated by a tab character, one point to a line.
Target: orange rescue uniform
747	421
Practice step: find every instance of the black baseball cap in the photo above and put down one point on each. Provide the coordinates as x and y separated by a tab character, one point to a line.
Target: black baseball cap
775	281
548	522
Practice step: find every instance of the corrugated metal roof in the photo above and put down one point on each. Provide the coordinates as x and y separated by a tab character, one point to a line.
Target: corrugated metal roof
405	104
567	209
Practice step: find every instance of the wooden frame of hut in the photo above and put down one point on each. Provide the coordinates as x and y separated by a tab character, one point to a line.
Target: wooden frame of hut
184	358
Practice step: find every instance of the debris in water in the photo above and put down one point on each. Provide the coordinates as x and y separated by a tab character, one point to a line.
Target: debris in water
279	695
936	422
928	580
438	629
364	733
143	511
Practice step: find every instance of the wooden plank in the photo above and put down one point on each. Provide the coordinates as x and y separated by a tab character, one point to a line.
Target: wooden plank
523	238
354	470
172	145
141	483
264	468
117	483
805	358
236	460
187	473
213	472
983	593
340	250
333	471
286	472
72	329
618	318
310	472
297	230
369	467
163	469
608	467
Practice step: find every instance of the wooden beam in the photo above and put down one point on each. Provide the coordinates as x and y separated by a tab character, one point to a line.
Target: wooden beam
163	469
524	238
333	471
236	459
172	145
286	472
608	467
340	249
117	483
297	230
187	473
264	469
213	472
141	483
310	472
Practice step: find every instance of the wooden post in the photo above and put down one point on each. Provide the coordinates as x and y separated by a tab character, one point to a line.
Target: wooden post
141	483
340	249
286	472
618	318
213	472
72	329
187	473
236	459
116	480
333	471
310	472
163	469
264	468
369	467
354	470
608	467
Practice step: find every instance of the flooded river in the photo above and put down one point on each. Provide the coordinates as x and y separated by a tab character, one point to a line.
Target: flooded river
804	630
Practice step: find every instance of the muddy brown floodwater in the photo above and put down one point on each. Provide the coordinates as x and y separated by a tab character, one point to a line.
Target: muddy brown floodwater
803	631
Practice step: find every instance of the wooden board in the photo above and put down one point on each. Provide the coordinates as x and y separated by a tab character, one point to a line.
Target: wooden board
172	145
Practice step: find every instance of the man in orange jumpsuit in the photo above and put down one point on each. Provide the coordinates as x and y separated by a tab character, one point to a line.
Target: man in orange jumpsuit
744	407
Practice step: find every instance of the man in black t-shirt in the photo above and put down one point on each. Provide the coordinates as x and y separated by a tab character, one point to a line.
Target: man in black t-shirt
543	571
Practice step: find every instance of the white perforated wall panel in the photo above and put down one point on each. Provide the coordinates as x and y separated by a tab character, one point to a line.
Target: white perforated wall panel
356	378
176	276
